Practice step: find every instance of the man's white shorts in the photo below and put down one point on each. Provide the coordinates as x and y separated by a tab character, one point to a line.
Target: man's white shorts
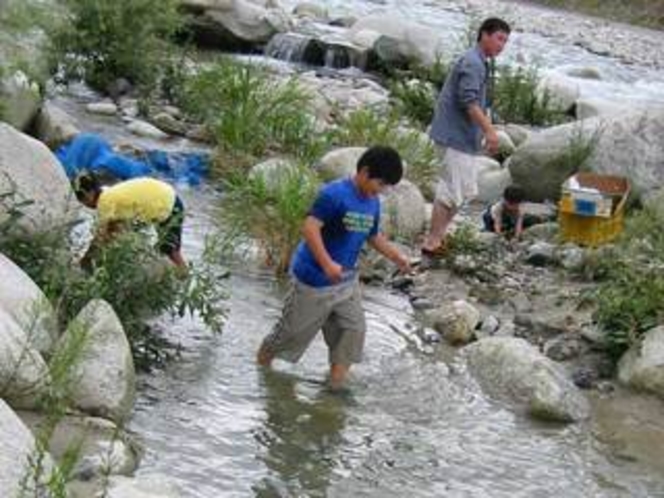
458	179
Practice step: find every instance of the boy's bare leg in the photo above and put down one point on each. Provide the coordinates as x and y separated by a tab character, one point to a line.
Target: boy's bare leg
441	216
177	259
338	375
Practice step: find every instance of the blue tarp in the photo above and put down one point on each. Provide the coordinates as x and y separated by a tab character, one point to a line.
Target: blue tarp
93	153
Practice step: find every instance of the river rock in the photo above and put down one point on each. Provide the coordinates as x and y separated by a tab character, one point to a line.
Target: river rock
339	163
642	367
311	10
144	486
41	191
403	212
105	372
145	129
54	126
510	368
563	91
415	41
17	445
26	303
21	100
518	134
102	108
23	373
455	321
492	184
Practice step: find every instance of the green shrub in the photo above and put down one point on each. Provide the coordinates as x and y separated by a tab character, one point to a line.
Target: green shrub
249	113
517	100
128	273
365	128
414	99
269	210
629	300
102	40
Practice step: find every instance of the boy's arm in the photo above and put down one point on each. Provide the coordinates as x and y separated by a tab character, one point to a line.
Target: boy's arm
314	240
380	243
518	229
478	117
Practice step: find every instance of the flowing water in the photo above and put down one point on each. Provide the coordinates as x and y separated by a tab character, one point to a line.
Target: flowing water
412	422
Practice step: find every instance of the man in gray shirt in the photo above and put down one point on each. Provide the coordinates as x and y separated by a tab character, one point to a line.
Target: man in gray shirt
459	122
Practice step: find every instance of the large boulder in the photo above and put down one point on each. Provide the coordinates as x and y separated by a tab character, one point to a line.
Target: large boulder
412	40
339	163
32	182
23	373
17	446
235	24
403	211
54	126
105	375
544	161
642	367
20	100
562	90
27	304
512	369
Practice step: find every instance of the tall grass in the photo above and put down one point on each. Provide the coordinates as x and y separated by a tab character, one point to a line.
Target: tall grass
366	127
269	210
516	98
250	113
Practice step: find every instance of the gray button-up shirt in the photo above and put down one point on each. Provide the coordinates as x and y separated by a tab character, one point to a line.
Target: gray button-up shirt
466	84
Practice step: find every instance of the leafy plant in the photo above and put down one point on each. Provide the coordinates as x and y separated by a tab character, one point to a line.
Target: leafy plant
629	300
516	98
365	128
103	40
269	210
250	113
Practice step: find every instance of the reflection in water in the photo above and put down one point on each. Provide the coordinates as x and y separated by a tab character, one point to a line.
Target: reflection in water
301	434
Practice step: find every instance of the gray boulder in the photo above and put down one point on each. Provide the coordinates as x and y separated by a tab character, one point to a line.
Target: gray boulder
20	99
23	373
642	367
339	163
54	126
26	303
403	211
105	375
510	368
34	182
17	445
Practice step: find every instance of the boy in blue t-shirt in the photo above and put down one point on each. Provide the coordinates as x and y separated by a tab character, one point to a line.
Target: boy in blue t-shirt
325	292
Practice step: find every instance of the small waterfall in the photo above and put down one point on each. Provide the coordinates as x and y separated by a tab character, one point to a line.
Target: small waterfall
337	57
294	47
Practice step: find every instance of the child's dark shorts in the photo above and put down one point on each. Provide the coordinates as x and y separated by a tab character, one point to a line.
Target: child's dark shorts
169	231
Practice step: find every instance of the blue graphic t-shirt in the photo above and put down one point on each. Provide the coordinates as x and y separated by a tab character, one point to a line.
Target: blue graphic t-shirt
349	219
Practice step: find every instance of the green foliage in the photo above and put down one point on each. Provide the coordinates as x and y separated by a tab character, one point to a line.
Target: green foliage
580	148
127	273
269	208
517	100
365	128
463	240
102	40
250	113
629	300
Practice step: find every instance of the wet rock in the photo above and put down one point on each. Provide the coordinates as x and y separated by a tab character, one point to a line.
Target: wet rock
541	254
145	129
54	126
490	326
521	303
310	10
456	322
422	303
102	108
547	232
572	257
21	100
563	91
565	347
169	124
143	486
642	367
512	369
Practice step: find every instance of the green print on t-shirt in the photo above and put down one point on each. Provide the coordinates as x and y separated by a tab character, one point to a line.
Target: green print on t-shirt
358	222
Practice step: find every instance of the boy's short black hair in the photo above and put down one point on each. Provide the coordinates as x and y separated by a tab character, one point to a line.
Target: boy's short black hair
491	25
383	163
86	183
514	193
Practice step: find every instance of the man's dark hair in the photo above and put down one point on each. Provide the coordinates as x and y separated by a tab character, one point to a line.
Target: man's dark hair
86	183
514	193
491	25
384	163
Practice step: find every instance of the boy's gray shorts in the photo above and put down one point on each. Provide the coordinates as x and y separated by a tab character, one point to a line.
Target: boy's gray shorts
336	309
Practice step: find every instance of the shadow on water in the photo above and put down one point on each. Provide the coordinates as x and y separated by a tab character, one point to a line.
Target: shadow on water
301	435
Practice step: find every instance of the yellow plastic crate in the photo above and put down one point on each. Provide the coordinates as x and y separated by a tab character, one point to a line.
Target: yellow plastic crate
593	231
